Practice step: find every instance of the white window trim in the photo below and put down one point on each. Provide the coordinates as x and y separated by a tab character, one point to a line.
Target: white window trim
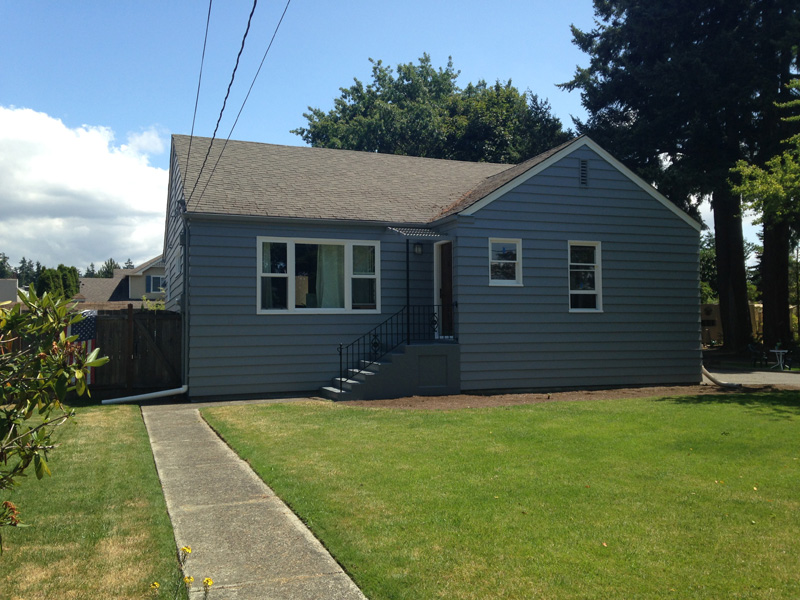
506	282
348	276
598	277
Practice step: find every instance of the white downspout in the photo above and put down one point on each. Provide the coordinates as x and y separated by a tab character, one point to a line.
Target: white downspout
150	396
716	381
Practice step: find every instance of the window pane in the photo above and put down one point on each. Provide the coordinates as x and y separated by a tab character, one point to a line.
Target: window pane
581	254
273	257
319	276
583	301
364	294
504	271
581	280
363	260
504	251
273	293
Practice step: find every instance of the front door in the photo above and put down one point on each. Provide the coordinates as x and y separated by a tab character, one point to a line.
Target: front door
445	281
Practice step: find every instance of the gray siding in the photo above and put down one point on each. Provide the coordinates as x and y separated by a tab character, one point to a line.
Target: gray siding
235	351
173	250
525	337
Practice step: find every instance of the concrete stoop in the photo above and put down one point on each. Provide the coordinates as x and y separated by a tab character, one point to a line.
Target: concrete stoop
431	369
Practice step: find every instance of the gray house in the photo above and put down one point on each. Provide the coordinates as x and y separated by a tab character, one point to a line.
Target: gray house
371	275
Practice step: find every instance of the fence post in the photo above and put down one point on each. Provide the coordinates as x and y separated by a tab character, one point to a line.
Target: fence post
129	352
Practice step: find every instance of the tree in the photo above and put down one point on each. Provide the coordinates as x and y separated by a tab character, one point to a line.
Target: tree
50	282
128	264
708	269
6	272
39	366
70	280
422	112
774	192
26	275
90	272
682	89
107	270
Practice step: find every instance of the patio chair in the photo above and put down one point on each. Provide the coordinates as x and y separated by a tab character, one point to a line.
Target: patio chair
758	354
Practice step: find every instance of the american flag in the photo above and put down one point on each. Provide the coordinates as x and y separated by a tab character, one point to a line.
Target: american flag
86	331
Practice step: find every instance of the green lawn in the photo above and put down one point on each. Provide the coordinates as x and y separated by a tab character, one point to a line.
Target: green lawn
99	525
653	498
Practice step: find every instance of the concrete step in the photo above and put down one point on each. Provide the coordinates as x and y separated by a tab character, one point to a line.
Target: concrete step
333	393
346	384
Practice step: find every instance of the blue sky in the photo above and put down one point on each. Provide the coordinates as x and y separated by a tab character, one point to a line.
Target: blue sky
90	92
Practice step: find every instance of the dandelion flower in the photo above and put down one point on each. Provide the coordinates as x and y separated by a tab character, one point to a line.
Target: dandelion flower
188	580
208	582
187	549
155	585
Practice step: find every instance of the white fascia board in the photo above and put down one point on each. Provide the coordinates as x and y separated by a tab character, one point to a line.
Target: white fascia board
591	144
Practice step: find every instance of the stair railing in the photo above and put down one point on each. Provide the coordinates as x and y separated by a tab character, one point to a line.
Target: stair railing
411	324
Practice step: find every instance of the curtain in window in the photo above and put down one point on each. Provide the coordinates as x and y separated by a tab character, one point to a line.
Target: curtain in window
330	276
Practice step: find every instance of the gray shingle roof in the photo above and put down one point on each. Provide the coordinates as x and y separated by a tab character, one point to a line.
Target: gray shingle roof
257	179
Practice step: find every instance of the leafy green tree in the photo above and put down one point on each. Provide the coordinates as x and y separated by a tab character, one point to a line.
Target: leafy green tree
50	282
421	111
6	272
774	192
107	270
39	366
682	89
70	280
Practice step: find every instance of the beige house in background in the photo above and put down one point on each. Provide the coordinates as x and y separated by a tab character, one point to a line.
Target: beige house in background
127	286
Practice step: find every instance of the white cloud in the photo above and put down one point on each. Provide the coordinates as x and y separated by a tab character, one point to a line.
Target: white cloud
72	196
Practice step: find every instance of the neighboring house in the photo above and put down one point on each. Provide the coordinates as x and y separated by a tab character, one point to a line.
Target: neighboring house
564	271
127	286
8	290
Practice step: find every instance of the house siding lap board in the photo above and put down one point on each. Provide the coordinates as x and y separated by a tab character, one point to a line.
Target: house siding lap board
526	337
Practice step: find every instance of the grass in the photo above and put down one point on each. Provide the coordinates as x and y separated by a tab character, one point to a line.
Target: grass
99	525
652	498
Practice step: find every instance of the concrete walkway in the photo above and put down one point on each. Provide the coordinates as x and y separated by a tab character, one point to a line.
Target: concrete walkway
241	534
757	378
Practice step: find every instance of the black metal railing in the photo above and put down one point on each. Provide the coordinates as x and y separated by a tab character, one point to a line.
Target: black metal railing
409	325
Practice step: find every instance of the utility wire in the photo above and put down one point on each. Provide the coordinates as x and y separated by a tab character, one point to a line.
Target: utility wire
225	145
199	80
225	101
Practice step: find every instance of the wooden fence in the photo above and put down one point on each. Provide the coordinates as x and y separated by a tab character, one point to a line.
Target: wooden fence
144	348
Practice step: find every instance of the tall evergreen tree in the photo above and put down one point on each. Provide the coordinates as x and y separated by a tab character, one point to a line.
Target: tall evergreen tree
107	270
6	272
50	281
128	264
70	280
682	89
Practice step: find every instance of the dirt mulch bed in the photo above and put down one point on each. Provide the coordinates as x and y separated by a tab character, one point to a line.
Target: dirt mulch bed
480	401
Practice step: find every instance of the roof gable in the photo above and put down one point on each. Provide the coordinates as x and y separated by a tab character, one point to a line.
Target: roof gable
470	205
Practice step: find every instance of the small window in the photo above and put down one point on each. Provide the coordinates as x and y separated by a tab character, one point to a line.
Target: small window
585	292
505	262
154	284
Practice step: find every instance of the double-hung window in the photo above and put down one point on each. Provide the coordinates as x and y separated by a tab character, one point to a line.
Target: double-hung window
320	276
505	262
585	281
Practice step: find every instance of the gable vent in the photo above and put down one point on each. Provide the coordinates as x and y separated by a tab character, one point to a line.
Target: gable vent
584	173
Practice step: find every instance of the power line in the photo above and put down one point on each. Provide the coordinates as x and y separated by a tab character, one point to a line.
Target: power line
274	33
225	101
199	80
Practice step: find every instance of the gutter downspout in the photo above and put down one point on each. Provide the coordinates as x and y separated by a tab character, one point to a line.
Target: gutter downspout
150	396
716	381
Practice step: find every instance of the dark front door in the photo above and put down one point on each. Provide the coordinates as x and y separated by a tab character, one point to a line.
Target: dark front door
446	288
